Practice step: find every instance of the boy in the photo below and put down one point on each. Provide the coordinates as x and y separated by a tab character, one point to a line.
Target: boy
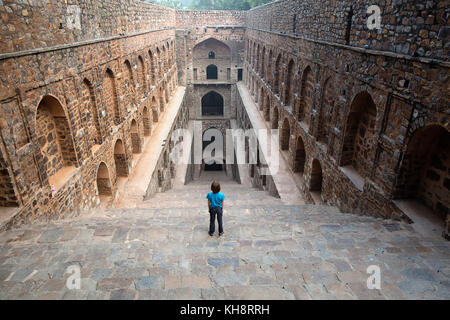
215	206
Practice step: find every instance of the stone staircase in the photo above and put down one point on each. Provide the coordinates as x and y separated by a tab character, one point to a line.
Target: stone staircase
270	250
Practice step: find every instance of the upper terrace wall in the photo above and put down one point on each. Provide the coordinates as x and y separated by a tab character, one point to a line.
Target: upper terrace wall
200	18
43	23
407	27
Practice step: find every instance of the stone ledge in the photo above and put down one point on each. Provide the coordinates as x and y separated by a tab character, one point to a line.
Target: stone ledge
8	55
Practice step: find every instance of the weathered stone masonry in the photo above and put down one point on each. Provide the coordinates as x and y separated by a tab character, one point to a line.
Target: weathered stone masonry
79	105
363	114
358	113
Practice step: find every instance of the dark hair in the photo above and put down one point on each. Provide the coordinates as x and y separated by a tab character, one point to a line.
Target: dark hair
215	186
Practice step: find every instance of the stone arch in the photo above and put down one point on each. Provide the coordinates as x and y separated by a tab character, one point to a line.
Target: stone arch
258	59
275	118
267	109
104	185
306	95
120	159
315	182
155	110
141	70
285	135
255	56
211	43
289	81
161	100
269	67
326	111
424	172
166	94
300	156
211	72
158	61
129	81
110	95
359	136
152	67
147	122
54	135
263	56
261	99
164	58
277	72
135	137
212	104
89	115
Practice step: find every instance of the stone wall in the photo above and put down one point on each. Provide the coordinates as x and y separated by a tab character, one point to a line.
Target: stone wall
202	18
344	83
63	109
165	170
220	32
407	27
41	23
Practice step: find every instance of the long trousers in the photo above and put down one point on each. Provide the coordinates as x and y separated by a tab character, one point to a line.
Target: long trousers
212	219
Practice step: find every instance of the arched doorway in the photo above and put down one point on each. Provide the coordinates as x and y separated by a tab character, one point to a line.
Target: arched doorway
147	122
359	137
425	170
135	139
289	81
211	72
300	156
275	118
212	104
315	183
276	78
90	113
267	109
306	92
154	110
110	95
285	135
55	137
161	100
120	159
261	99
104	185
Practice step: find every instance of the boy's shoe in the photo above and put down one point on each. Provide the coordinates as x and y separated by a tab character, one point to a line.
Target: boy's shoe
211	234
221	233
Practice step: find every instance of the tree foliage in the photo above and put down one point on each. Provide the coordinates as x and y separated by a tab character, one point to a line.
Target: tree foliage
175	4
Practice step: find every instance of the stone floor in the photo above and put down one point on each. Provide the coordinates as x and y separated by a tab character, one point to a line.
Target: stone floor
161	250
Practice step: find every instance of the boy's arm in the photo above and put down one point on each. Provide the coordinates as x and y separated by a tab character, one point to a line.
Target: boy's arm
209	204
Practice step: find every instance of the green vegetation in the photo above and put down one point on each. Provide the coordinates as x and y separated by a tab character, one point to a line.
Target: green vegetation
175	4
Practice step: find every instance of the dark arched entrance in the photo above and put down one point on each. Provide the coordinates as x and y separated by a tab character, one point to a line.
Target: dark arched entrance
210	136
212	104
211	72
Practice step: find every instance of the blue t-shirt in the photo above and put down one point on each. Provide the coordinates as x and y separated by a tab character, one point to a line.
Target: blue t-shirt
216	199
